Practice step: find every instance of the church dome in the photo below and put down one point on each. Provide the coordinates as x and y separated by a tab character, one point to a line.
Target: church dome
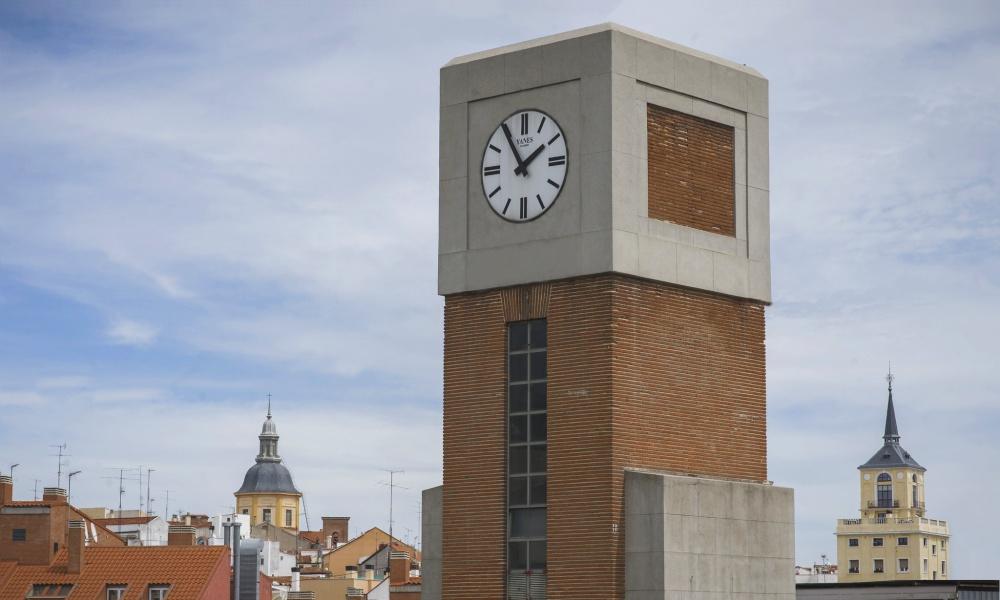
269	477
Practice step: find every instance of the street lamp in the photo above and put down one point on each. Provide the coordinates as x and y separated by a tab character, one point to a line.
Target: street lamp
12	469
69	488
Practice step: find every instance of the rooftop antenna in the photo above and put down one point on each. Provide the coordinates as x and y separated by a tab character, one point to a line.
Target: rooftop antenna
166	508
61	449
392	486
12	470
69	486
35	494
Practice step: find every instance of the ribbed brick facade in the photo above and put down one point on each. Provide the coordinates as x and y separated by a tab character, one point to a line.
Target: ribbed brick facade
691	165
641	374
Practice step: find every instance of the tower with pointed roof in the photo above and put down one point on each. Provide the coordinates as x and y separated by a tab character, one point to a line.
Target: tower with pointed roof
893	539
268	494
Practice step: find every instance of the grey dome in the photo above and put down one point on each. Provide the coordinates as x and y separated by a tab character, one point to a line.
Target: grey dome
272	477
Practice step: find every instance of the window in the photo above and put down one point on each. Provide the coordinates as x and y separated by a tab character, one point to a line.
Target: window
527	445
159	592
266	515
288	517
925	542
884	493
19	535
904	565
879	566
944	570
944	544
884	477
925	565
915	503
852	542
933	548
116	592
854	566
877	541
246	511
902	541
50	590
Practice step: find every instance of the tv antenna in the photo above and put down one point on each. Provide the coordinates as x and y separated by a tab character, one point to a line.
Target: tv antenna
392	486
61	452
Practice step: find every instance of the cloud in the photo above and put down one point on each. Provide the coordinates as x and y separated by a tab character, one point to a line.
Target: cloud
131	333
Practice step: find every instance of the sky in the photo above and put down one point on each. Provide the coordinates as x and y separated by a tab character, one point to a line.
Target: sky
201	204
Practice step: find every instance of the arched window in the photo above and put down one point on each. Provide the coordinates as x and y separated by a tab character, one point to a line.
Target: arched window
884	490
914	478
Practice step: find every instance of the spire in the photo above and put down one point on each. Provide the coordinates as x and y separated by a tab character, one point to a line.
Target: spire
268	438
891	435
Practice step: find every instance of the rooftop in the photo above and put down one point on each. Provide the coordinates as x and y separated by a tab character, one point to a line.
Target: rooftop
187	569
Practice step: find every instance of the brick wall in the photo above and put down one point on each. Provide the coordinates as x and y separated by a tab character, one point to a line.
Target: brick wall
473	503
641	374
691	171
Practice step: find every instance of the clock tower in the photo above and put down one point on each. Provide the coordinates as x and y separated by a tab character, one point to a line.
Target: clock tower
604	259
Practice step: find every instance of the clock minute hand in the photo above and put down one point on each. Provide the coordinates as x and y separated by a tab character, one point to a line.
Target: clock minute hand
524	165
513	148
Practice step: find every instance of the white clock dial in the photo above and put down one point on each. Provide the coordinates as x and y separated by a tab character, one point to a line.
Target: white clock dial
524	166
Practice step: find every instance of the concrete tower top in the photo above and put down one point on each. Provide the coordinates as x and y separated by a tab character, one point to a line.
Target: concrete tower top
633	109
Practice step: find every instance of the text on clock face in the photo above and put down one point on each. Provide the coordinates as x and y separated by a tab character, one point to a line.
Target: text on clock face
524	165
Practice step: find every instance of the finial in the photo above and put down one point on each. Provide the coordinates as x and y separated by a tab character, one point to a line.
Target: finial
890	377
891	430
269	405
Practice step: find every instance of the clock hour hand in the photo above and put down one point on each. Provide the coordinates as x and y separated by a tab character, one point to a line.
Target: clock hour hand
523	168
513	148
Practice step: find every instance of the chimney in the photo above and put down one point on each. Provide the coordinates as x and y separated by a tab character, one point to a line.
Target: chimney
54	495
6	490
335	527
181	535
296	578
235	595
77	534
369	572
399	568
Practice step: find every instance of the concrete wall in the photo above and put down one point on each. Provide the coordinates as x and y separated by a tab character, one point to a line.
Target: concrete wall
430	534
697	538
597	82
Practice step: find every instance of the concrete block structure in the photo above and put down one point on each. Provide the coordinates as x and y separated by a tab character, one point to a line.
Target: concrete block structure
699	537
605	261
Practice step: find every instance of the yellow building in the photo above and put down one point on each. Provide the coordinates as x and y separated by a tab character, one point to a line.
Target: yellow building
894	539
268	494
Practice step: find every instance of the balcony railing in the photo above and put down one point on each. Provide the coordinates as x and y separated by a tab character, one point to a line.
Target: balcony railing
883	504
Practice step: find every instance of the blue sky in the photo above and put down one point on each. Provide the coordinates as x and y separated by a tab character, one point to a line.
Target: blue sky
203	204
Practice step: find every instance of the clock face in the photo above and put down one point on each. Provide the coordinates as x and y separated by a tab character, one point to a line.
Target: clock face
524	166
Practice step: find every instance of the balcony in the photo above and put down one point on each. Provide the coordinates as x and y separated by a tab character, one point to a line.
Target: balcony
889	525
883	504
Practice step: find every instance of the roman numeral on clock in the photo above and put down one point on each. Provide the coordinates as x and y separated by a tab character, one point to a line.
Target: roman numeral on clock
524	123
524	207
540	125
506	206
495	170
557	160
540	203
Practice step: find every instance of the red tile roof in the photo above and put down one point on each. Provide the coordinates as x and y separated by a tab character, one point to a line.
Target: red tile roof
187	569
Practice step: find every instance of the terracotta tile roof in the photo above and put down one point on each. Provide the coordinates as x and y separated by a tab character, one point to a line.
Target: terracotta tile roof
187	569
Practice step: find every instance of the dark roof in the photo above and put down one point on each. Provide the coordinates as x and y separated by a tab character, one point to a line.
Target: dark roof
268	477
891	454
